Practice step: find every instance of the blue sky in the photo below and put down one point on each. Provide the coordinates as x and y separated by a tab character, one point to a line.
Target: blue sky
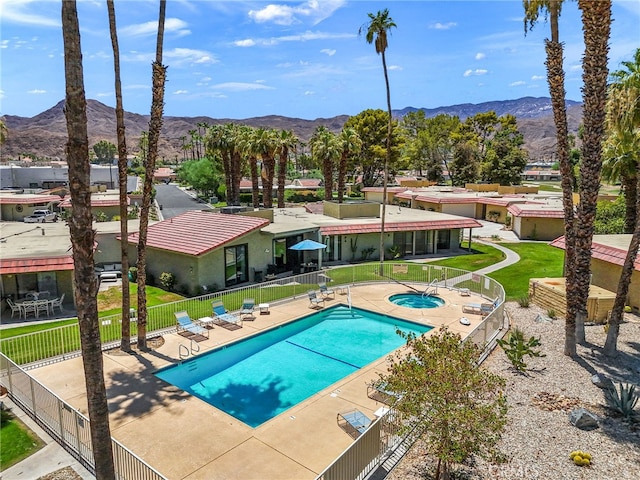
240	59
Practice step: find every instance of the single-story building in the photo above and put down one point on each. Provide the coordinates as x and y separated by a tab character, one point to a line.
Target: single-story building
531	221
608	253
101	203
15	206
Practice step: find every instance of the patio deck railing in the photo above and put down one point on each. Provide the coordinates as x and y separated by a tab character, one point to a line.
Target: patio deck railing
70	428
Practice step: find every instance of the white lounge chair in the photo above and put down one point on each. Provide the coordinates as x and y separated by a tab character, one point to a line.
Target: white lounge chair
248	306
222	317
188	327
326	291
314	299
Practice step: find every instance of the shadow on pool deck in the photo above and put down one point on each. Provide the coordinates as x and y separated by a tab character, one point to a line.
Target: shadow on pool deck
185	438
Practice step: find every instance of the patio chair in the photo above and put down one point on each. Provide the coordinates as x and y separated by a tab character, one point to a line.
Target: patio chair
14	308
188	327
314	299
354	422
222	317
29	306
248	306
326	291
42	306
57	302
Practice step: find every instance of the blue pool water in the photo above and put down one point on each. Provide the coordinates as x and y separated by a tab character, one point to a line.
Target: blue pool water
260	377
416	300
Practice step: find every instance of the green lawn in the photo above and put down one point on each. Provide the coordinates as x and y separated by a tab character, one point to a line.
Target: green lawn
16	442
481	256
109	302
537	260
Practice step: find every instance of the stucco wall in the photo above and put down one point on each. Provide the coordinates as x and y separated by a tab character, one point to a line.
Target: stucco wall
531	228
607	275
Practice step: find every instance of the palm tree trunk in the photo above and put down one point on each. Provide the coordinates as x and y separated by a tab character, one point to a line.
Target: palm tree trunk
255	187
342	173
282	174
611	343
327	167
82	241
125	342
630	193
387	159
596	21
155	125
268	163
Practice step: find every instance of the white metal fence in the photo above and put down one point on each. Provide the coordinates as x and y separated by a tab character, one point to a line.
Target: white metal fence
70	428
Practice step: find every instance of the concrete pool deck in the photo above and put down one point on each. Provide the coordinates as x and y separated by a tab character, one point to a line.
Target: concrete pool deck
185	438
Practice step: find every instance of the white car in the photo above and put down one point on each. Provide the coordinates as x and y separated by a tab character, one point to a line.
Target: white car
41	216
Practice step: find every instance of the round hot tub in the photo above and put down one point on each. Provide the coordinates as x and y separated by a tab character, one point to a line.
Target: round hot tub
416	300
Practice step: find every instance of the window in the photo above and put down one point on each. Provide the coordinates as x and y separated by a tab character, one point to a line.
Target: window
236	266
444	239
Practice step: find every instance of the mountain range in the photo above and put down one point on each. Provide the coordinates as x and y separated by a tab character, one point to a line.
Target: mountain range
45	134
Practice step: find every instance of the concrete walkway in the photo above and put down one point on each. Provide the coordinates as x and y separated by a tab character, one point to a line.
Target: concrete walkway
511	258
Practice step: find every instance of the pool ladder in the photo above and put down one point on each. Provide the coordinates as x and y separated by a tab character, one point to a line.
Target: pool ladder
184	351
432	288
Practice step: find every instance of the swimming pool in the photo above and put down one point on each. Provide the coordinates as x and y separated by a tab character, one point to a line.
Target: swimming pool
260	377
416	300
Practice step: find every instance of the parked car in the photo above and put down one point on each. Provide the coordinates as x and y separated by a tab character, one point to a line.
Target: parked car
41	216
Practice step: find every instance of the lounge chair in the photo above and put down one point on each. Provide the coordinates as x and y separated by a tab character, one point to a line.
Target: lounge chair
380	392
248	306
354	422
314	299
326	291
484	308
222	317
188	327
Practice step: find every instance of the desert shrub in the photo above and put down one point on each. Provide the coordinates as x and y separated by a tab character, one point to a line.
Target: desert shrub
524	301
167	280
516	348
622	400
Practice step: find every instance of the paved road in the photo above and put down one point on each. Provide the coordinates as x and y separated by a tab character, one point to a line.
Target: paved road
175	201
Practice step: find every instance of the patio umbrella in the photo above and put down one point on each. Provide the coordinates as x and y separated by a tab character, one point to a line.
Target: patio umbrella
309	245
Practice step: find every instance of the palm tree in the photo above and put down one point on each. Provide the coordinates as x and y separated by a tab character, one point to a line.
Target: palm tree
377	29
82	241
555	79
125	342
621	148
155	125
287	142
265	145
596	25
325	149
350	144
3	132
216	140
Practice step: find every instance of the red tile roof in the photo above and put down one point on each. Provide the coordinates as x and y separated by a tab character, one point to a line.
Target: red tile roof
43	264
517	210
28	199
381	189
96	202
196	233
436	199
603	252
399	226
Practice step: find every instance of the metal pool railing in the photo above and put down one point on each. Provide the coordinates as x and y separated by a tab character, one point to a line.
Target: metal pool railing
381	443
66	425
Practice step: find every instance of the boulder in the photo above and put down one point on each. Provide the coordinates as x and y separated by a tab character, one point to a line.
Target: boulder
600	381
583	419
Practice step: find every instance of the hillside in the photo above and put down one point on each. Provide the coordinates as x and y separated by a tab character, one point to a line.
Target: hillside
45	134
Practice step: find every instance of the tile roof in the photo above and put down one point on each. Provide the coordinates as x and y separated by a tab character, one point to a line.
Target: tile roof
13	199
607	253
196	233
437	199
535	211
104	201
42	264
400	226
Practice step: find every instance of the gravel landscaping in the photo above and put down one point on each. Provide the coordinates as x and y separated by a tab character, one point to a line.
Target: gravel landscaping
539	437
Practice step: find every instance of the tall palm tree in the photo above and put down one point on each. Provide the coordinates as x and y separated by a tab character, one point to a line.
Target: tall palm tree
555	79
155	125
247	145
376	32
286	142
596	26
265	145
623	123
125	342
216	139
350	144
3	132
325	149
82	241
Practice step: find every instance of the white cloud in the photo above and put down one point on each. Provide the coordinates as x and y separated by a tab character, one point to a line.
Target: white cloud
477	71
177	57
395	67
328	51
309	93
480	56
1	94
104	94
36	91
313	11
517	83
443	26
4	44
303	37
240	86
181	92
16	11
537	77
244	43
171	25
